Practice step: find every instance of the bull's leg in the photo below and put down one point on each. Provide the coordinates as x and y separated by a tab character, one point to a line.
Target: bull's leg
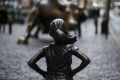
37	31
31	23
24	39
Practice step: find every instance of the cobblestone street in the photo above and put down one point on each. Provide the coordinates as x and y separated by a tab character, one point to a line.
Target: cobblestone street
104	54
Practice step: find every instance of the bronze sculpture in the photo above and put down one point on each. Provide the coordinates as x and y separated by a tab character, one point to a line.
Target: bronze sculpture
58	55
45	11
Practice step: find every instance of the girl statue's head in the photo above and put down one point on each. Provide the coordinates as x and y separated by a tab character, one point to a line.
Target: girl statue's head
59	31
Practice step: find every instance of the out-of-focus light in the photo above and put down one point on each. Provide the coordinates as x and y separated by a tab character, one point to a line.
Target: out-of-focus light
117	3
95	4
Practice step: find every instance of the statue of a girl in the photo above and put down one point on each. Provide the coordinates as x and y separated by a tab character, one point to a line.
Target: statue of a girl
58	55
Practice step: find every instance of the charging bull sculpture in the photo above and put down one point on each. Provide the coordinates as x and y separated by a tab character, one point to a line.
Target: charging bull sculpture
47	10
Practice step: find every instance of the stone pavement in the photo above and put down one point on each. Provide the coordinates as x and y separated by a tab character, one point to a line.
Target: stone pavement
104	54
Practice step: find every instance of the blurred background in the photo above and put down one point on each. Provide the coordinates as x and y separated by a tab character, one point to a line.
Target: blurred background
24	26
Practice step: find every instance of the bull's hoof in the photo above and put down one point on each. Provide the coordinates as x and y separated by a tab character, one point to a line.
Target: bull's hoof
22	40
